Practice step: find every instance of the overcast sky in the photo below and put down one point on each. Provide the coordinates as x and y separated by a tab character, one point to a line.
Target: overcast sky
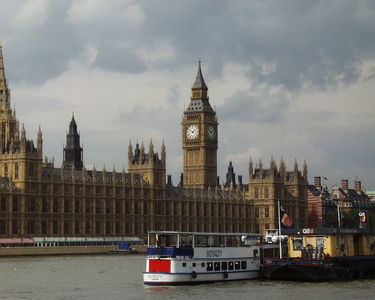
291	79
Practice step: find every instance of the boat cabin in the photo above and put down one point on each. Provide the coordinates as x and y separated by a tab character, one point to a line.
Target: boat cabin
329	242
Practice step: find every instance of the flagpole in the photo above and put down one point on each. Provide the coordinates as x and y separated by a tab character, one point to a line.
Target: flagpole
280	248
338	214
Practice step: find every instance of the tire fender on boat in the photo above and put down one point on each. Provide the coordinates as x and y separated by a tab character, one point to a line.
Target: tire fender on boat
193	274
225	274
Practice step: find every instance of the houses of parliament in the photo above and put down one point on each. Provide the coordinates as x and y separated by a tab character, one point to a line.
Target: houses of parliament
39	199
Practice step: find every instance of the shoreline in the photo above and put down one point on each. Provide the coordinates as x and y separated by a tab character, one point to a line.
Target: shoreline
63	250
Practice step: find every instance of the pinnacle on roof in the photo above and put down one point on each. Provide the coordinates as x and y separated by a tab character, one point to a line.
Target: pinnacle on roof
199	81
3	82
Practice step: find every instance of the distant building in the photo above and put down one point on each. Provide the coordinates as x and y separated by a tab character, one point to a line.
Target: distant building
322	202
371	195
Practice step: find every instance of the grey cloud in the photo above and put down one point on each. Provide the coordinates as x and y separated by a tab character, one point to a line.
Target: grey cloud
244	107
315	44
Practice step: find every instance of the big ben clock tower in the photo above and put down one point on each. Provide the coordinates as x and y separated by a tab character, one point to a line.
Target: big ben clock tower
199	138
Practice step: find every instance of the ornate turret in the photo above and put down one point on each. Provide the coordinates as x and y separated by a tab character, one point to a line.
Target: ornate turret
4	91
163	153
231	176
251	169
130	151
73	153
147	165
282	168
295	170
305	170
151	151
39	141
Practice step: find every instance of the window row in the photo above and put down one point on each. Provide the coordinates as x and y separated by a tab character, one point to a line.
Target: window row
222	266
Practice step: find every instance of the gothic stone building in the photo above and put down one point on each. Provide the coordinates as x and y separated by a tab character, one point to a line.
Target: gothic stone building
39	199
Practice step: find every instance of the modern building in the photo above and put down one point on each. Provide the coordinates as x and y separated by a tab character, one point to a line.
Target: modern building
39	199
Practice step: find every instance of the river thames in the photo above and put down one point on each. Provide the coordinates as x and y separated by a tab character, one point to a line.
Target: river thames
120	277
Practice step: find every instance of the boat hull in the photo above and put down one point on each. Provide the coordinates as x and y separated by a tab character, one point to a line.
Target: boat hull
296	272
151	278
339	268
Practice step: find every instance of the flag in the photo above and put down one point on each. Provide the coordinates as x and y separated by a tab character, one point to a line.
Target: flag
284	218
342	219
325	178
362	219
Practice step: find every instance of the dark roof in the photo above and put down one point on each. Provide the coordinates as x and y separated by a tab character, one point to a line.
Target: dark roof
200	105
88	175
199	80
353	195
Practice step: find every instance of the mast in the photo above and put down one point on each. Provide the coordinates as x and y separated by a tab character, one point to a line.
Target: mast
280	248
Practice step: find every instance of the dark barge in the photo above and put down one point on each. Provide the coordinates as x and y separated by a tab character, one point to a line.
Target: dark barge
324	255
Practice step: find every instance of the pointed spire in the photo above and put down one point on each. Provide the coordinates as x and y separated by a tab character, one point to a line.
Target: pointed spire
23	131
73	125
151	147
39	141
305	169
142	155
130	152
4	91
3	84
250	168
39	133
295	166
199	80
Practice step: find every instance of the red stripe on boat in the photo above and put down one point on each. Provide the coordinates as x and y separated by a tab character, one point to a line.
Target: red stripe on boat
159	265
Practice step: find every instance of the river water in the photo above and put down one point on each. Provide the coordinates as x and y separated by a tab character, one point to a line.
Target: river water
120	277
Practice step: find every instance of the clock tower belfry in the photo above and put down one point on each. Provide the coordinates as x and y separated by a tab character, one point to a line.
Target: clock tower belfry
199	138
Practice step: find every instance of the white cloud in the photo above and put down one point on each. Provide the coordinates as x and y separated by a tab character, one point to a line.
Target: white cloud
31	13
89	12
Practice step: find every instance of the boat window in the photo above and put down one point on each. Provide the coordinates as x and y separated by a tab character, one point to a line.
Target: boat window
210	266
203	264
337	241
217	266
230	265
184	264
237	265
297	243
243	265
194	264
320	242
224	266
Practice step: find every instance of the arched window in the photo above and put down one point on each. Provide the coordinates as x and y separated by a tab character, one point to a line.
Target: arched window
5	170
256	192
16	170
266	193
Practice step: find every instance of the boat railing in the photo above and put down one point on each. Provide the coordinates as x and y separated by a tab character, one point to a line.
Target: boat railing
170	251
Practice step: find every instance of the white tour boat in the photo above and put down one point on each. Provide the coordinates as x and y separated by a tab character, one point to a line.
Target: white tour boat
198	257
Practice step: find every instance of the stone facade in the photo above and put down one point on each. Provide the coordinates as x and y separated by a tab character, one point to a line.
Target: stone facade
39	199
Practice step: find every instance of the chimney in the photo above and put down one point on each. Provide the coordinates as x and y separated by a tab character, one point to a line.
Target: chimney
358	186
344	184
317	181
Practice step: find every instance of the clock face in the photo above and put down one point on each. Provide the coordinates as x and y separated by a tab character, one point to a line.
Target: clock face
211	132
192	132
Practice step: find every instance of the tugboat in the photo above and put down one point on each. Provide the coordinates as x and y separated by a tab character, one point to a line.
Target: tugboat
197	257
324	254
